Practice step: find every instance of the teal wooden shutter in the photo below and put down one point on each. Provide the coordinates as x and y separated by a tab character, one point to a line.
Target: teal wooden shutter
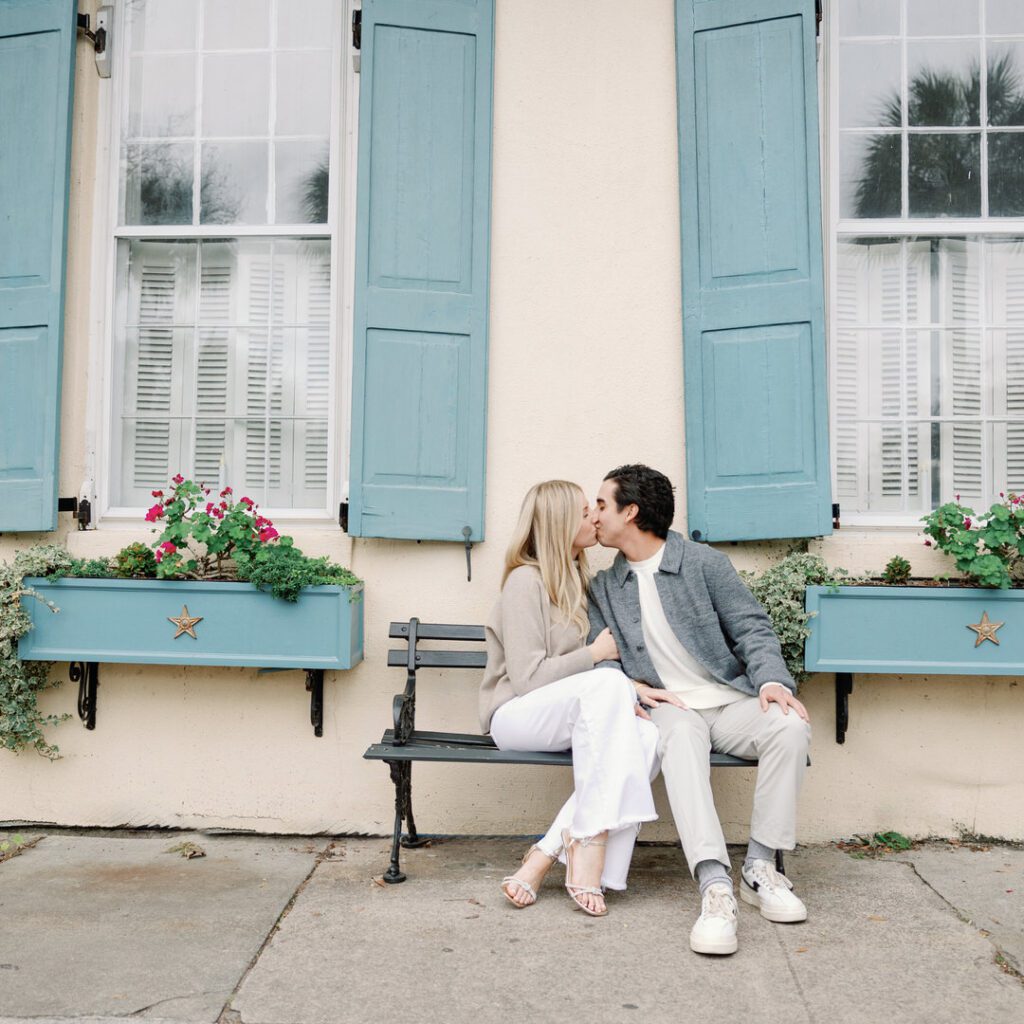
422	238
757	451
37	56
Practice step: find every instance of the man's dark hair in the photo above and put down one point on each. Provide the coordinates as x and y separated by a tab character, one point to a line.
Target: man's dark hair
650	491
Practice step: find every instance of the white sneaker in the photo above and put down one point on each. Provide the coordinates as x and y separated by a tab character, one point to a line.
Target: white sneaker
764	887
715	930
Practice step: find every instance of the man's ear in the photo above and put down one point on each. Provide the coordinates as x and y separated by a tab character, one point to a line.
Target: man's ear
632	511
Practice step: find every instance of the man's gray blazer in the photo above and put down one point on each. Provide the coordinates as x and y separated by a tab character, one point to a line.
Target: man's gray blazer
711	611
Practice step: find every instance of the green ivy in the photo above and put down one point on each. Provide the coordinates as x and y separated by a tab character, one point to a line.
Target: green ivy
21	682
780	589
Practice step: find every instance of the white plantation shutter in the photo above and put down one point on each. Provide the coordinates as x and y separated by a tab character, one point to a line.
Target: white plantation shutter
959	298
155	369
213	371
1006	288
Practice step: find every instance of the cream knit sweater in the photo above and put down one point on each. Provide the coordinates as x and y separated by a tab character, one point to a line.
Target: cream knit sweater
529	644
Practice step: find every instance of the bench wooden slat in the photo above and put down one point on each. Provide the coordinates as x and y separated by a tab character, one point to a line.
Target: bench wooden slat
458	746
436	631
438	659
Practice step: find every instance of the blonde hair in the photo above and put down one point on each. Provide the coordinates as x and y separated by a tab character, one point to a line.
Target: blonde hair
548	522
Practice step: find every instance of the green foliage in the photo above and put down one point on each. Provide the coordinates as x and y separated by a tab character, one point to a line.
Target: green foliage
780	589
891	840
199	535
987	548
21	682
897	571
135	562
285	570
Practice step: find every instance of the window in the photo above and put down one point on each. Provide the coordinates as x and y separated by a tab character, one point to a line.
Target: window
927	282
224	340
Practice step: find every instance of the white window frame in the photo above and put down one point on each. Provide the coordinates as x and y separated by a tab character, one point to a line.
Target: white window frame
837	228
112	109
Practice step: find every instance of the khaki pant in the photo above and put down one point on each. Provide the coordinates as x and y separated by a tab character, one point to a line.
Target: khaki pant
779	740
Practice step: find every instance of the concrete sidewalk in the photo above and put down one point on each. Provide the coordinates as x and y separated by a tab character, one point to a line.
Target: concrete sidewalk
100	927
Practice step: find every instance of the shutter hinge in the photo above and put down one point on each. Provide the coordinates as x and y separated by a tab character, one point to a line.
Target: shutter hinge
357	30
817	18
80	510
98	38
835	515
343	516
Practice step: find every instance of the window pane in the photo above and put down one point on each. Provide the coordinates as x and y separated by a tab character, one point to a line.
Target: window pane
237	24
305	24
870	96
1006	83
162	24
1005	274
869	18
945	175
869	278
302	177
942	83
944	282
1004	17
236	94
304	93
234	183
162	96
869	170
943	17
1006	174
157	183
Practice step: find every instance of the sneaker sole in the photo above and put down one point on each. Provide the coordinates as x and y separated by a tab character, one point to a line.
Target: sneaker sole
723	948
777	916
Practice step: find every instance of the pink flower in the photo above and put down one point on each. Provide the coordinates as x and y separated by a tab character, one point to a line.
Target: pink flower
967	522
269	533
927	543
225	492
157	494
223	505
179	479
209	507
957	496
247	501
167	548
1001	495
217	512
155	513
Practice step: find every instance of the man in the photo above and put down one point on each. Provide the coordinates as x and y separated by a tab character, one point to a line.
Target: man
707	663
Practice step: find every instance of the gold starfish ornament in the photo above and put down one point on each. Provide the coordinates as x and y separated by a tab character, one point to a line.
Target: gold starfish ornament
986	630
187	623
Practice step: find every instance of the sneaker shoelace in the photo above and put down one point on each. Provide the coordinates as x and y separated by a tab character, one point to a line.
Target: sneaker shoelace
767	877
718	903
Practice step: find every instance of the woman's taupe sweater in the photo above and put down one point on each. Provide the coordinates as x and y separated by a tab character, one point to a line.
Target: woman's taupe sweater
529	644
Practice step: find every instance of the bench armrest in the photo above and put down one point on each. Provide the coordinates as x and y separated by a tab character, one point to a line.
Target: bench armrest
403	707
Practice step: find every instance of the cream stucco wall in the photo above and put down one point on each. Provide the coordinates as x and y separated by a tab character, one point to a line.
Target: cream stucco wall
585	373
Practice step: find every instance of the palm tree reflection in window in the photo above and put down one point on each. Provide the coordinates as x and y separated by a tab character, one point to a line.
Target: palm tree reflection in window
944	174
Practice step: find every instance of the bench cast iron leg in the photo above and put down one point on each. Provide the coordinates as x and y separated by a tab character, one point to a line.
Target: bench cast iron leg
780	864
401	777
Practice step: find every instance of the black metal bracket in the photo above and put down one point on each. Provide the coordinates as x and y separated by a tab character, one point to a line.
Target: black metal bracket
87	675
835	515
467	532
315	687
98	38
844	687
357	30
343	516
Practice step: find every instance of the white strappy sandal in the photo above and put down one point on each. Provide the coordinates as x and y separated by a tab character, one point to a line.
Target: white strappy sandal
510	880
576	891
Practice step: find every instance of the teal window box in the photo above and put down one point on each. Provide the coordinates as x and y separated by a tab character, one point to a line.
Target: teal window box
912	630
192	622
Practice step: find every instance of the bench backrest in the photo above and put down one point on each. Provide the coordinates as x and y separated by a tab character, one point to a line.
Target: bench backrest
414	657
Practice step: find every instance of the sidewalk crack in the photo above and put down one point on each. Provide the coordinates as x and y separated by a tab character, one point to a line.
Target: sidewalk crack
1002	958
792	973
228	1015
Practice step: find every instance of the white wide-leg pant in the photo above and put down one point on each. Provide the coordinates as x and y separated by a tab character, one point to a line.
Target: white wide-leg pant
614	754
780	741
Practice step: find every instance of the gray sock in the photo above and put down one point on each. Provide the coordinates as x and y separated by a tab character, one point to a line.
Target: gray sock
711	872
758	851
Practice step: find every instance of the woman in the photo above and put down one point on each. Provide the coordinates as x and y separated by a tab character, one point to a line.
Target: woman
541	691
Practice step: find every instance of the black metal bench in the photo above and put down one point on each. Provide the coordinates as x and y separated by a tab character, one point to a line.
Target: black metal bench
403	744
